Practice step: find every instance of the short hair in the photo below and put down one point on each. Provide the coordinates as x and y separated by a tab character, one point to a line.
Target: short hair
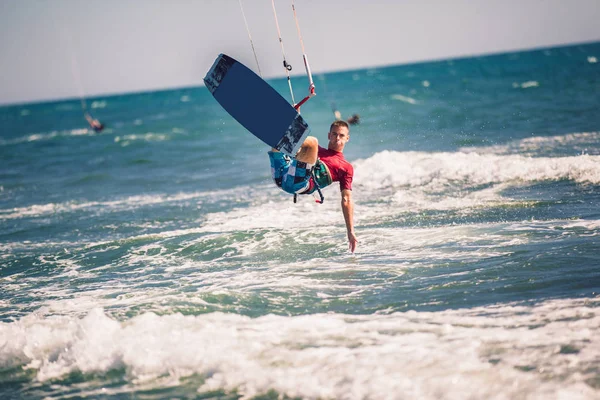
338	123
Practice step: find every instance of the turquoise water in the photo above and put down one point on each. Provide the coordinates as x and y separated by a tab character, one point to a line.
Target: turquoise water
157	259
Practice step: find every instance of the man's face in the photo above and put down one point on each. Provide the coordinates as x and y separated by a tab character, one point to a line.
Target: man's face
338	136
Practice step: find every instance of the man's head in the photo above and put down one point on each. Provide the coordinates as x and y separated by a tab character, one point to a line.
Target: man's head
339	134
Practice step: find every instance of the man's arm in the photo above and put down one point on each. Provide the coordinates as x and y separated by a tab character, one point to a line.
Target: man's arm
348	210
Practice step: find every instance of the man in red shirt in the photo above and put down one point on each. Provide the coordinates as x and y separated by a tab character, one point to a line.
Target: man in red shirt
295	175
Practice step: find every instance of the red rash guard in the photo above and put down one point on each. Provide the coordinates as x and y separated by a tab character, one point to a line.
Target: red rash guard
341	170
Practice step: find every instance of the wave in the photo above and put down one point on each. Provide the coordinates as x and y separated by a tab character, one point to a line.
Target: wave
412	180
43	136
474	177
128	203
438	171
405	99
123	140
502	351
126	140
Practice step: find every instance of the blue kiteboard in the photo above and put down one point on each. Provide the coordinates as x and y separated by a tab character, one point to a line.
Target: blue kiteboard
256	105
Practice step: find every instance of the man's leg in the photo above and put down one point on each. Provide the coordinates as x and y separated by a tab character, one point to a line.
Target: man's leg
294	177
297	178
308	151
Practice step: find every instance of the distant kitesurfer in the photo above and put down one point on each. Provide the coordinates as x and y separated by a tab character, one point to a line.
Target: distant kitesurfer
354	119
315	167
94	123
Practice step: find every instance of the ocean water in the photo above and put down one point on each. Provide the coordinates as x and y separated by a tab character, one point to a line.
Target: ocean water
156	259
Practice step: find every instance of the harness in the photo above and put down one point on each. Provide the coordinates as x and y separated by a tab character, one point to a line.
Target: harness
321	177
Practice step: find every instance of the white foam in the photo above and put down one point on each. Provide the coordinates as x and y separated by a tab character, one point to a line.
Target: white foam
99	104
391	183
405	99
525	85
128	203
269	214
440	171
126	140
43	136
585	224
310	259
455	354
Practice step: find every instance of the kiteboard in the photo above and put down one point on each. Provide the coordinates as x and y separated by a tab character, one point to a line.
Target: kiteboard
256	105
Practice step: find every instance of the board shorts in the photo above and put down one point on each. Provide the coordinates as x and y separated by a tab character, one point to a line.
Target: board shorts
291	175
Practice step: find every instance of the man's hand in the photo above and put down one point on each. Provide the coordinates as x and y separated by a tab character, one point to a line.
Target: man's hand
352	241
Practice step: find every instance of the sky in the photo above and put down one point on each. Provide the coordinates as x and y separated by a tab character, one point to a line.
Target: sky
54	49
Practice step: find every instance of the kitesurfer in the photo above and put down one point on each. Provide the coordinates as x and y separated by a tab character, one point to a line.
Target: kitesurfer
315	167
94	123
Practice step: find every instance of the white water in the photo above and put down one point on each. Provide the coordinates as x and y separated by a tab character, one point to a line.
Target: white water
547	350
497	352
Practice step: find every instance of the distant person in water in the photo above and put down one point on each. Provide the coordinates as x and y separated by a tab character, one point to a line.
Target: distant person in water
354	119
94	123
